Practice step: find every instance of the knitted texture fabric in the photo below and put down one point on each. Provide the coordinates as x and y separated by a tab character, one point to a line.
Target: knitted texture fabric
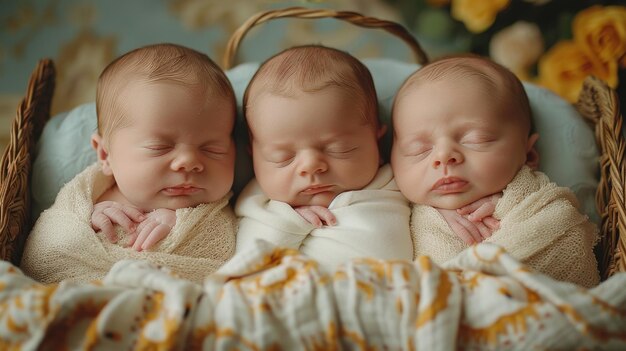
540	225
62	244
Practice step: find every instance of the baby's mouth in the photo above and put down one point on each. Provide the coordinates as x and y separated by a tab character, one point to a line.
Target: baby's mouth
449	185
316	189
181	190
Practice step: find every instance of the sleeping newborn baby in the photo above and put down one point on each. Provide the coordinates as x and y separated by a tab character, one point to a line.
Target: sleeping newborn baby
161	186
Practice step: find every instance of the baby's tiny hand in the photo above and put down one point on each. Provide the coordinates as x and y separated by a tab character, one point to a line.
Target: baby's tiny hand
107	213
317	215
482	209
153	229
468	231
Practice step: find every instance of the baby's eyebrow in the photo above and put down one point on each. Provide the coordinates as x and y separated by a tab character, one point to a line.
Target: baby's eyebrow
421	134
219	138
276	144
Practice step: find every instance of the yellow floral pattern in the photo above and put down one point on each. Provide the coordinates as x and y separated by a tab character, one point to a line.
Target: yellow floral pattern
278	299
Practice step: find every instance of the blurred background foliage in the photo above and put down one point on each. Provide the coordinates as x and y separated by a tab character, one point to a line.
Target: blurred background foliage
553	43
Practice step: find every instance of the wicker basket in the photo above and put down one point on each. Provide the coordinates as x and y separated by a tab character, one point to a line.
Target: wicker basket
598	104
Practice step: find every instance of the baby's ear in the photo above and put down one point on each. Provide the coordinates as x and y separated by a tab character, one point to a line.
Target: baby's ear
101	152
532	155
381	131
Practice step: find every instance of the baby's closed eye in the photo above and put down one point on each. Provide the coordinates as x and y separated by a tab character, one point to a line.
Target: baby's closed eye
478	139
418	150
215	152
280	158
158	149
340	151
478	135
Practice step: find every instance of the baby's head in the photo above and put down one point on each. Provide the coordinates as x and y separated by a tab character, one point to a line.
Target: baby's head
165	119
312	114
462	130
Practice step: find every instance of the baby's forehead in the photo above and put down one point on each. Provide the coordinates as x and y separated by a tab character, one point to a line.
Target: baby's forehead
163	98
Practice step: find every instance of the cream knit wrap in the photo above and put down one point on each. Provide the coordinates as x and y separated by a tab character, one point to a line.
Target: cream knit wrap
540	225
62	244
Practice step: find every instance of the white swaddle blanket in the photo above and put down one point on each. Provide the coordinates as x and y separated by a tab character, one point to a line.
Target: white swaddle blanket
540	225
372	222
62	244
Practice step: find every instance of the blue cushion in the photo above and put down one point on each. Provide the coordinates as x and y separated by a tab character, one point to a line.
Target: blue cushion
567	147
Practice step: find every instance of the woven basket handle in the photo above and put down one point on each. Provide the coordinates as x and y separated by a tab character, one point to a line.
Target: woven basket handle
302	12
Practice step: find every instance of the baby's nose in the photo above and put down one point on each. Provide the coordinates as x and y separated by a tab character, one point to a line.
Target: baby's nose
312	162
187	160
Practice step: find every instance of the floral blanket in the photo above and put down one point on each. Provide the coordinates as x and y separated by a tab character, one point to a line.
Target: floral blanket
272	298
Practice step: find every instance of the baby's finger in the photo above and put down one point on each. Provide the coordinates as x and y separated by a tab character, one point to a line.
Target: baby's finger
133	213
467	209
325	215
96	221
462	233
147	229
310	217
485	232
470	208
472	229
141	225
101	222
481	212
492	223
132	238
118	216
158	233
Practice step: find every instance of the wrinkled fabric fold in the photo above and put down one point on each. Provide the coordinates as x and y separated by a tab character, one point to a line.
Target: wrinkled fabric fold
62	244
372	222
540	225
276	298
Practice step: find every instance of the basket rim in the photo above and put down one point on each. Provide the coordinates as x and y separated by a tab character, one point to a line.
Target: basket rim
355	18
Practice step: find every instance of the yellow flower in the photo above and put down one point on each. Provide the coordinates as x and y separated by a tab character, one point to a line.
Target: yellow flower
477	15
602	31
564	67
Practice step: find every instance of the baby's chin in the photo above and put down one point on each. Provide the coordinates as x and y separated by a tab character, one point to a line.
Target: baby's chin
178	202
448	202
322	199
